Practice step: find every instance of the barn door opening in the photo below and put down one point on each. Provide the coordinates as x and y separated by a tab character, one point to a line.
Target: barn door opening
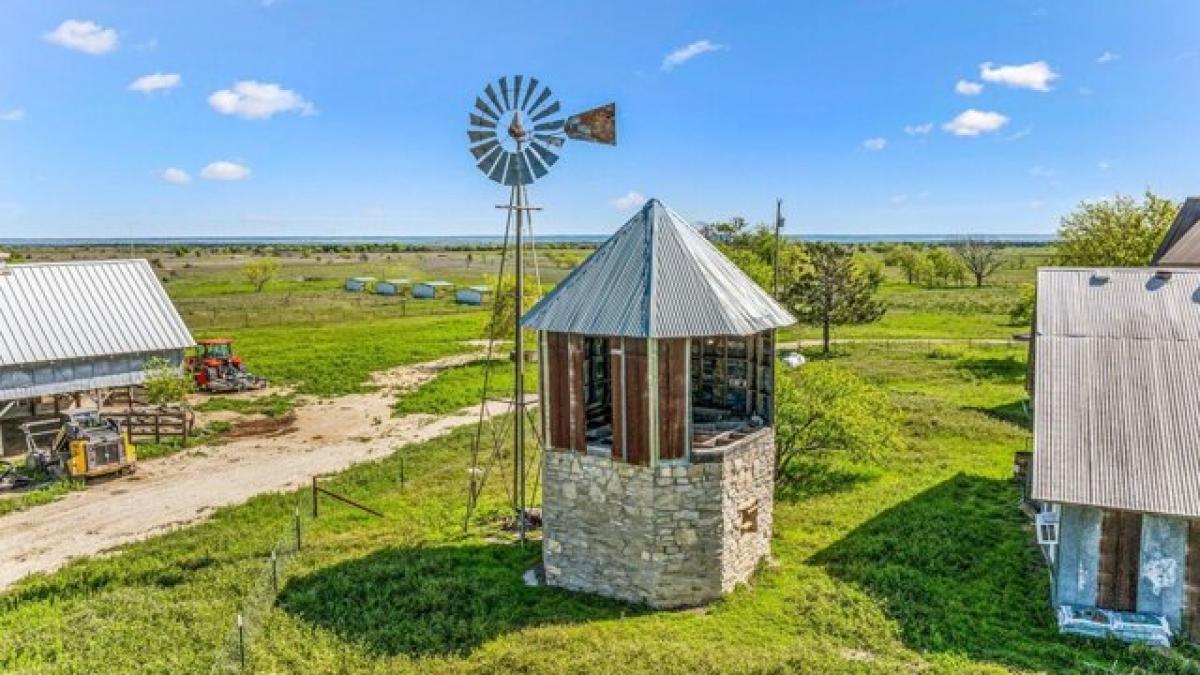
1120	555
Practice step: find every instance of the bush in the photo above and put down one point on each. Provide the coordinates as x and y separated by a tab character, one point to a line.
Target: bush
165	383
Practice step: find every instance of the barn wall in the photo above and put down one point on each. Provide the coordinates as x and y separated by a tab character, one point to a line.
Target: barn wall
1163	567
1078	557
64	377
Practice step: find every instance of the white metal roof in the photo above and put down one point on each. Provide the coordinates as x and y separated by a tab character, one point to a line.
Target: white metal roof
80	310
657	277
1117	389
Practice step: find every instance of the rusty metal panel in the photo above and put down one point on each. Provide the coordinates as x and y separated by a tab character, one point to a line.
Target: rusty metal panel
598	125
637	402
578	413
672	398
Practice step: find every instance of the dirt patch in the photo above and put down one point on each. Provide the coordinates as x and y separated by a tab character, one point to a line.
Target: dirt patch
263	426
174	491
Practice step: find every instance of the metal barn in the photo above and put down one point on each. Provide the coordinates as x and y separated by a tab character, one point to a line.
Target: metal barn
1116	463
81	327
392	286
473	295
658	397
359	284
431	289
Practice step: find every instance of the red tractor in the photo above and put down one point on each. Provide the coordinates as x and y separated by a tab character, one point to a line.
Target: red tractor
217	370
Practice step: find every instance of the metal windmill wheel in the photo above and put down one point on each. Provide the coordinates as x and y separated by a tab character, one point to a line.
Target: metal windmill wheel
516	131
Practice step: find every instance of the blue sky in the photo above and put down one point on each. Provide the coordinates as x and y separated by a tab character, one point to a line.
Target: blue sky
353	121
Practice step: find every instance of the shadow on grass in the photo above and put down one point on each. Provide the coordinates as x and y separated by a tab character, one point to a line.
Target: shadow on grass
438	600
1013	412
813	478
955	569
1002	369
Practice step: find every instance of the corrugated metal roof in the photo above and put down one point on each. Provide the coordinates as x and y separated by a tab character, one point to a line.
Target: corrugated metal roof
1181	246
657	277
1117	389
79	310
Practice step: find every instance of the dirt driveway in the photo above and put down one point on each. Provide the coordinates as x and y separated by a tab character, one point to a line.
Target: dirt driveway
186	487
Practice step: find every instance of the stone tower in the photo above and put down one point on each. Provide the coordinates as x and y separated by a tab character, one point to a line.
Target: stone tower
657	384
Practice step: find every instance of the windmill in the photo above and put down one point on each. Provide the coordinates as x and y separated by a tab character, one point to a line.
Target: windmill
516	133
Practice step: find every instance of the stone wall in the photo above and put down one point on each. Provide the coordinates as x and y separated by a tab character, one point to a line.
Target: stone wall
671	536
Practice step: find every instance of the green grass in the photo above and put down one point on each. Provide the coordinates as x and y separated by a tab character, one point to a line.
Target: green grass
338	358
919	563
43	495
456	388
273	405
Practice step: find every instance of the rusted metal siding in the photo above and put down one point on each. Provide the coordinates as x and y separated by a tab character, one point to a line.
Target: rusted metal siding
1116	390
616	372
657	277
1120	554
637	403
673	364
1191	621
577	412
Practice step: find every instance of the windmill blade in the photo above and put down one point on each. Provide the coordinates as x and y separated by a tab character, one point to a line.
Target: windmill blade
550	110
526	173
531	159
553	125
480	121
512	175
483	108
598	125
504	91
477	136
517	82
533	84
490	91
483	149
489	160
497	172
544	153
556	141
540	99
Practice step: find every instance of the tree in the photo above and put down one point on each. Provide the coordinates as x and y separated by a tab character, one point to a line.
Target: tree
981	259
258	272
942	267
1117	232
1021	312
165	383
822	408
832	290
906	258
502	322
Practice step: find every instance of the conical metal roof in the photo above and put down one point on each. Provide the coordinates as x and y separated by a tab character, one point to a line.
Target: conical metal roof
657	277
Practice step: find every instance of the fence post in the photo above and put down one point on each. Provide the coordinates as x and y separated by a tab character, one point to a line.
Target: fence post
314	497
296	519
241	640
274	572
402	471
157	420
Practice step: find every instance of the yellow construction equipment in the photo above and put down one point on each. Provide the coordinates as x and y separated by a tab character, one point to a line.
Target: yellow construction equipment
83	444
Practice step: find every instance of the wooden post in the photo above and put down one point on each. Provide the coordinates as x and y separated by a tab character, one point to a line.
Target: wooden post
314	497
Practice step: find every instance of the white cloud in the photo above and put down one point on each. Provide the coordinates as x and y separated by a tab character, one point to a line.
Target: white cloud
148	84
1018	135
1036	203
175	175
258	101
14	115
972	122
968	88
83	36
1036	75
918	129
629	200
1042	172
684	54
1107	57
875	144
224	171
1104	165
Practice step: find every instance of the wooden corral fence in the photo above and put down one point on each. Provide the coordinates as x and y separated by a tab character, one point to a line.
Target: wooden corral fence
156	423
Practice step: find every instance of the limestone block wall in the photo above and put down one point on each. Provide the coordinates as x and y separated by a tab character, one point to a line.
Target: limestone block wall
670	536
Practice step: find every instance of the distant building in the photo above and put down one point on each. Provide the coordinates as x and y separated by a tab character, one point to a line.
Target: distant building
392	286
359	284
658	396
473	295
1116	461
431	289
81	327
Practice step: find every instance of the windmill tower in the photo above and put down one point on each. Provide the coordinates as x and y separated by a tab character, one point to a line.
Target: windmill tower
515	136
658	388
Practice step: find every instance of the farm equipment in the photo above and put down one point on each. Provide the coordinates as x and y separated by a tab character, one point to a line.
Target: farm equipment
217	370
83	444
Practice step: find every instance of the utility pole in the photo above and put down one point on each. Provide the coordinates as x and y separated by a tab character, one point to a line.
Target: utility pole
778	244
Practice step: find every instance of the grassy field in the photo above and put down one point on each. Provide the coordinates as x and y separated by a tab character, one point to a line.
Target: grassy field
459	387
921	562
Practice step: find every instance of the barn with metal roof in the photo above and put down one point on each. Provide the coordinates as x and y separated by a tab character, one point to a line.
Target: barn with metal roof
75	327
1116	464
1181	246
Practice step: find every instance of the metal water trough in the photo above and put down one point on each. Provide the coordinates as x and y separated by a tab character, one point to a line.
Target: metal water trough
473	295
392	286
359	284
431	289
